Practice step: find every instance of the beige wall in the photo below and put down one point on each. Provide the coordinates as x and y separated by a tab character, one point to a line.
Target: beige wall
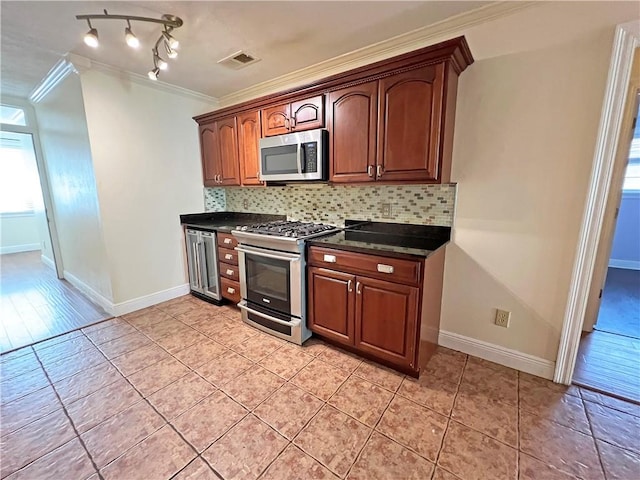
526	126
19	233
65	144
147	163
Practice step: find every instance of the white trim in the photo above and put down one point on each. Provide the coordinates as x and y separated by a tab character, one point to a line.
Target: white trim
149	300
627	38
144	81
27	247
626	264
397	45
61	70
94	296
497	354
47	261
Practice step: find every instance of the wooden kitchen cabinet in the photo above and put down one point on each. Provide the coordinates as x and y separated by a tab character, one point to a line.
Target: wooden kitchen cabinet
248	147
385	319
219	150
228	267
391	121
297	116
332	304
409	124
384	308
352	121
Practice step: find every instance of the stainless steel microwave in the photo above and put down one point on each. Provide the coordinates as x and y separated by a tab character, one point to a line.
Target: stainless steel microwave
295	156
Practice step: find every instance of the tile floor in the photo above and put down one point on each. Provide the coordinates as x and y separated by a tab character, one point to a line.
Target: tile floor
186	391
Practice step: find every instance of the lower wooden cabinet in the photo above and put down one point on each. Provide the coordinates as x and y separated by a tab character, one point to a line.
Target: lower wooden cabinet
392	321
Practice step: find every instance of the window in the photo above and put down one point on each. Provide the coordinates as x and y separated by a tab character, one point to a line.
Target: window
632	174
12	116
19	181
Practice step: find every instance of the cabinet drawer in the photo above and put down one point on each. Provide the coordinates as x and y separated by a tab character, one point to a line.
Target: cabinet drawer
228	256
385	268
226	240
229	271
230	289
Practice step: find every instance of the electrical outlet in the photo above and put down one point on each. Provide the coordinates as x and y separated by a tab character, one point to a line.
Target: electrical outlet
385	209
245	204
502	318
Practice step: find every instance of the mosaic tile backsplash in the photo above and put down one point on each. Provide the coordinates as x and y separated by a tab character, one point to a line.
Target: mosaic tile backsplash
417	204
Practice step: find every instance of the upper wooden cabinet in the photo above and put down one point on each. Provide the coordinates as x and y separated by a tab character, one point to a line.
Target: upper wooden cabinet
300	115
248	147
219	150
390	121
352	115
208	147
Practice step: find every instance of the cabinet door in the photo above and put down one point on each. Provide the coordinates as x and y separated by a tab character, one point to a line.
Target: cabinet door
352	122
409	124
386	320
307	114
208	150
248	147
227	139
331	305
276	120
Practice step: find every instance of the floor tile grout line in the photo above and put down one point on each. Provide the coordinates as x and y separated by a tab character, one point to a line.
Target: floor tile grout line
64	409
449	419
593	436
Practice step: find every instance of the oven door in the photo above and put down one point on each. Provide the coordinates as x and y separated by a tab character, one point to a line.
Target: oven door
271	279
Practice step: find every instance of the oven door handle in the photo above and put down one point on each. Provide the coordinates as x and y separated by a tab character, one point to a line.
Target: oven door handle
278	256
292	323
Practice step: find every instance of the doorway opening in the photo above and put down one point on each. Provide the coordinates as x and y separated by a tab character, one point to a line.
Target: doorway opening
609	352
35	303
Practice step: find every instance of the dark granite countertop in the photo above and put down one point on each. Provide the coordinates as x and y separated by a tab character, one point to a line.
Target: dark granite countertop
391	239
225	221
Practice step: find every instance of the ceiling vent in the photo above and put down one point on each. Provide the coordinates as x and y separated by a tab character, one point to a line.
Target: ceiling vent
238	60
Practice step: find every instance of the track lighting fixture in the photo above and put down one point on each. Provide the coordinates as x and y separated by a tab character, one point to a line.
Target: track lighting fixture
91	37
169	22
130	38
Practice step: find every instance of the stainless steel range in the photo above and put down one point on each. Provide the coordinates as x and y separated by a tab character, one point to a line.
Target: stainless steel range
271	257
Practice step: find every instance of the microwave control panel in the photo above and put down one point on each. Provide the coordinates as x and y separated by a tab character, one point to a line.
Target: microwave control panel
310	150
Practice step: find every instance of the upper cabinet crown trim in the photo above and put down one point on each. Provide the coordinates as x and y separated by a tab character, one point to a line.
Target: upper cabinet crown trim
455	51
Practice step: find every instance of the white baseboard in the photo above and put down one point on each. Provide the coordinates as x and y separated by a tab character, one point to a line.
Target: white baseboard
149	300
94	296
498	354
626	264
27	247
48	262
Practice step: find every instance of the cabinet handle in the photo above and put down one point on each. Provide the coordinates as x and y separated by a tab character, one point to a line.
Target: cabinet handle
358	290
287	123
231	290
379	171
293	122
229	271
382	268
228	256
228	240
349	286
370	170
330	258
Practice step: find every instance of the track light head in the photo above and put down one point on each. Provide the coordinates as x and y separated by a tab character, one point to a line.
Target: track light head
153	74
91	37
130	38
159	62
171	53
172	42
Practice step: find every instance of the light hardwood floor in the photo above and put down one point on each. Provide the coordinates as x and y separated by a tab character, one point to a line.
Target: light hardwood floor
35	305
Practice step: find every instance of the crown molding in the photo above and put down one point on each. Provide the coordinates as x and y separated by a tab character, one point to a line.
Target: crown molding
76	64
158	85
391	47
67	65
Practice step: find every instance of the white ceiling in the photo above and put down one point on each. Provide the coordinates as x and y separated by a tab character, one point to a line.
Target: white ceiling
286	36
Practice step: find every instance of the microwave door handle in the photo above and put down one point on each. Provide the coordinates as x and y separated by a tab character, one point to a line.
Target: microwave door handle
299	159
303	158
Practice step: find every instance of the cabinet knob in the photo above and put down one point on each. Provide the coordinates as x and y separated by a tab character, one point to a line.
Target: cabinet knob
330	258
231	290
228	240
228	256
229	271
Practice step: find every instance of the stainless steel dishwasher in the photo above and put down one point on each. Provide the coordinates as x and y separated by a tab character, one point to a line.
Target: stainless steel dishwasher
202	258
